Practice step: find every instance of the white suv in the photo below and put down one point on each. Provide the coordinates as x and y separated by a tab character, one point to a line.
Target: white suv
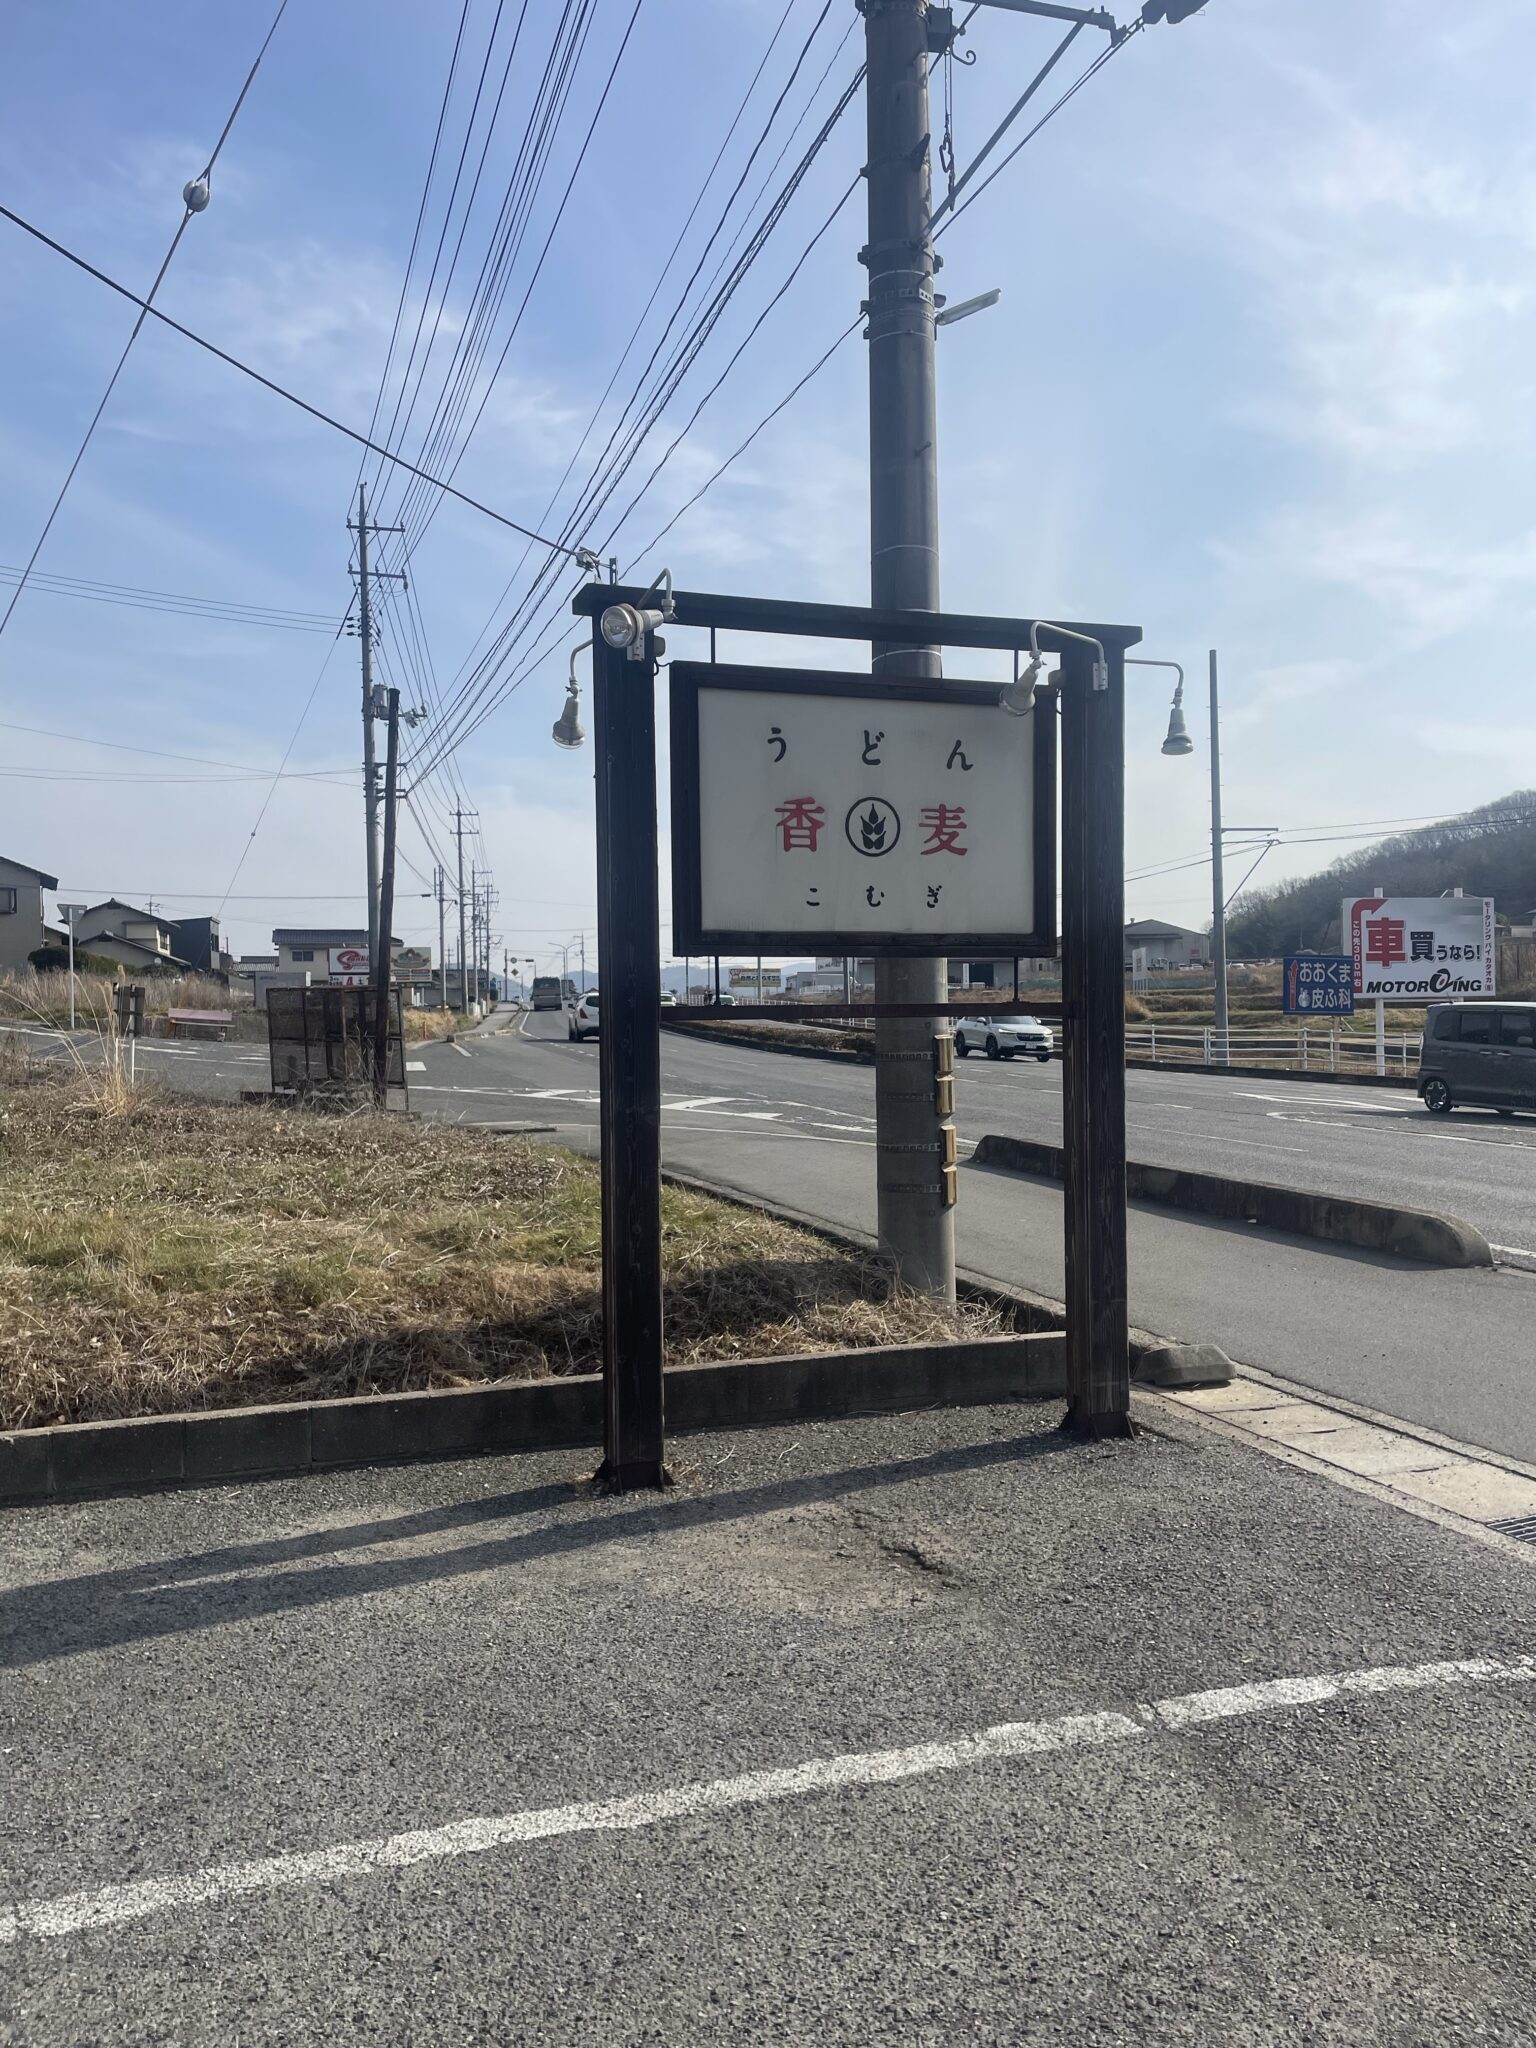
1002	1037
581	1017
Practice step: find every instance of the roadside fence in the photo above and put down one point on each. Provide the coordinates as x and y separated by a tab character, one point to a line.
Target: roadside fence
1308	1048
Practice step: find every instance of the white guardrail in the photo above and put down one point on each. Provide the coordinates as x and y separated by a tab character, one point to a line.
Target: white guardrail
1306	1048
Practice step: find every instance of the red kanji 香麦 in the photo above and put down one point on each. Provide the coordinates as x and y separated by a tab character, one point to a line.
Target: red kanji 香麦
944	823
800	821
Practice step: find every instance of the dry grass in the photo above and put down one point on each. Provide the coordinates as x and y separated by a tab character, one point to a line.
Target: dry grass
158	1253
32	998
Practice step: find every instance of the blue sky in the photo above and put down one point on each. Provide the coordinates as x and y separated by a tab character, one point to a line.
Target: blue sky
1260	379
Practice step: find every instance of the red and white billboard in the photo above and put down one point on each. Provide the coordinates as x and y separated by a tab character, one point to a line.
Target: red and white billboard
348	966
1417	949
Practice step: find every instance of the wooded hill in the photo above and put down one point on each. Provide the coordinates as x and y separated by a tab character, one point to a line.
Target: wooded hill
1487	852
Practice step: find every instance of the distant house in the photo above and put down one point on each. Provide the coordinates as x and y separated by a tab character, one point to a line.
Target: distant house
136	939
197	941
1166	945
21	912
250	965
310	946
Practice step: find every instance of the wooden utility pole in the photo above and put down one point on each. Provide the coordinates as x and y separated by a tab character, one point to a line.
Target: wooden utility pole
381	958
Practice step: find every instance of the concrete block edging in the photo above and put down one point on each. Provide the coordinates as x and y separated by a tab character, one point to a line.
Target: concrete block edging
73	1460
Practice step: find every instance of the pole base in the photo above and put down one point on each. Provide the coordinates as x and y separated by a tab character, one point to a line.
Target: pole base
632	1478
1108	1423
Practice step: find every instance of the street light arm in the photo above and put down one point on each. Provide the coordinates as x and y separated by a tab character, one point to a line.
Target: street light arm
1145	661
1101	660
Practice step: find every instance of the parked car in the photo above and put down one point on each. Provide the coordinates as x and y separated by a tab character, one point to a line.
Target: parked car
1002	1037
581	1017
1479	1056
668	999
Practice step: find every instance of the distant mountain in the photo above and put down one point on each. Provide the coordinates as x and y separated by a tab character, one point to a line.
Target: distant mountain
1486	852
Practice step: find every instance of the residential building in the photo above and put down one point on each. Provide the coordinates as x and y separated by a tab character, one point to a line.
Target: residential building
197	941
138	939
21	912
1165	945
310	947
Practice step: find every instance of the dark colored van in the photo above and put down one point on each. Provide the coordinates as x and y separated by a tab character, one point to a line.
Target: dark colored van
1479	1056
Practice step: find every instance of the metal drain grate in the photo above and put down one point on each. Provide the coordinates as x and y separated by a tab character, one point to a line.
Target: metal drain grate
1521	1527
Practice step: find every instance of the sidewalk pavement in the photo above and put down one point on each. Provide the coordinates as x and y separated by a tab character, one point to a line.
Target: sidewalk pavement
915	1729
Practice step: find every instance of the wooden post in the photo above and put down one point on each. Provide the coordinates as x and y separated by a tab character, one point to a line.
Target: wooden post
382	960
629	1066
1093	1077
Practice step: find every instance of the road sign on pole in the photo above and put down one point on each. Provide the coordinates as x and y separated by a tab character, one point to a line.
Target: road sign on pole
1319	985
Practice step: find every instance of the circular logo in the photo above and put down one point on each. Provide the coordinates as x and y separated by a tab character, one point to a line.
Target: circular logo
872	826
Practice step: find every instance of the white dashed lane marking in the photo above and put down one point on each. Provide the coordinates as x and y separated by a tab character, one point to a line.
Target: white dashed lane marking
113	1904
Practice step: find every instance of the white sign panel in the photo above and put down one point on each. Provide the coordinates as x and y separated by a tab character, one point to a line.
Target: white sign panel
752	977
348	966
1408	949
837	813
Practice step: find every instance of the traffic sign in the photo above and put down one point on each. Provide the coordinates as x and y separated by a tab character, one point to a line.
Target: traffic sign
1319	985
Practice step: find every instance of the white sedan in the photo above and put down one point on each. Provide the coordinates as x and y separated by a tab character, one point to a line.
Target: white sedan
581	1017
1001	1037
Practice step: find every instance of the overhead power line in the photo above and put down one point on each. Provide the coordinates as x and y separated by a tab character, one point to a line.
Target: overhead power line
179	604
474	699
146	306
279	390
1050	113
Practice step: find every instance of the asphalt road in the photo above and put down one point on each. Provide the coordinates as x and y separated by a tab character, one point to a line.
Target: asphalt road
313	1763
1452	1351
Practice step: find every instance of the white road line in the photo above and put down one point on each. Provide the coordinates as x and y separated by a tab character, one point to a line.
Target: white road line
1379	1108
462	1051
113	1904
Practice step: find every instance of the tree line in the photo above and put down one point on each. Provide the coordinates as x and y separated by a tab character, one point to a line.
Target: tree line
1490	851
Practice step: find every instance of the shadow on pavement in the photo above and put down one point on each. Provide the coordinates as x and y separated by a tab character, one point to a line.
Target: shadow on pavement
103	1610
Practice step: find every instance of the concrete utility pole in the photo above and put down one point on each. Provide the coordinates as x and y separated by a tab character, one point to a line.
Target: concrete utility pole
1218	883
915	1227
370	761
474	933
442	939
458	832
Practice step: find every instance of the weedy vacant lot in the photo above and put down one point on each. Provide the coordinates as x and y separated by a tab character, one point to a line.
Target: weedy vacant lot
158	1253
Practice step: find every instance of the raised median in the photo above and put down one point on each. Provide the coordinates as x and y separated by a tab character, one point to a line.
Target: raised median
1416	1234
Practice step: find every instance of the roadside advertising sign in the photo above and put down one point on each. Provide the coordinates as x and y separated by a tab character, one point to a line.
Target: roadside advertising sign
1407	949
348	966
1319	985
839	814
753	977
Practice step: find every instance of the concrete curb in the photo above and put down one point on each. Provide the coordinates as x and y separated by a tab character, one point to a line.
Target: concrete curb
708	1035
704	1035
1198	1365
84	1458
1257	1073
1414	1234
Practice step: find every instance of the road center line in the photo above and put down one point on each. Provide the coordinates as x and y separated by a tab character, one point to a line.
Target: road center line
112	1905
